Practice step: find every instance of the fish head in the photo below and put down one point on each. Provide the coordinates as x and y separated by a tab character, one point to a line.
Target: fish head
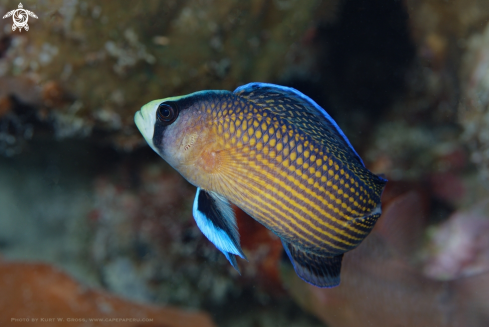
177	129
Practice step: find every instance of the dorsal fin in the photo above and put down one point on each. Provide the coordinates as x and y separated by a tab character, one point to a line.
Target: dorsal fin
300	110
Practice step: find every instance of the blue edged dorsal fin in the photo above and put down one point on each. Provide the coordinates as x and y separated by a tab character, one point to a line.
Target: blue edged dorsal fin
298	109
215	218
320	271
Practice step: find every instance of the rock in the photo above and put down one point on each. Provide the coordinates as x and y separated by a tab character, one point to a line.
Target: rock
98	62
37	293
474	107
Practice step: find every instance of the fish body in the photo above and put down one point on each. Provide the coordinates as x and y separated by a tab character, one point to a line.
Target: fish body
278	156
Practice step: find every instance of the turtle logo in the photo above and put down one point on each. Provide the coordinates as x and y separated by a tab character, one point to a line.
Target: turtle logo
20	16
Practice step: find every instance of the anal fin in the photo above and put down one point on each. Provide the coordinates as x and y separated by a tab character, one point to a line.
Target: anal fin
232	260
320	271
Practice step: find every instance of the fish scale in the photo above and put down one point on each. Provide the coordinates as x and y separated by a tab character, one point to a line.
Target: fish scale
305	120
278	156
251	147
273	139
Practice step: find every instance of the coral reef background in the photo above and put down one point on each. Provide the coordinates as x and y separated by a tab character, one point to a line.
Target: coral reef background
94	224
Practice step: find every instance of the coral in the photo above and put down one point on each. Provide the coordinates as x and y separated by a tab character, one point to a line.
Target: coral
474	107
35	293
459	246
111	60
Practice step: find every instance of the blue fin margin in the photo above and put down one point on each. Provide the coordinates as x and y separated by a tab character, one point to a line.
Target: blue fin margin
215	218
256	85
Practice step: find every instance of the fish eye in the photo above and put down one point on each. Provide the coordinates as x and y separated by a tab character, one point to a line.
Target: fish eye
166	113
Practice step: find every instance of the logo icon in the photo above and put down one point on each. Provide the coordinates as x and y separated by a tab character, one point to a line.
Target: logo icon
20	16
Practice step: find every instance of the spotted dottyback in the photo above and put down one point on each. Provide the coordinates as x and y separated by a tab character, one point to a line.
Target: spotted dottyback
278	156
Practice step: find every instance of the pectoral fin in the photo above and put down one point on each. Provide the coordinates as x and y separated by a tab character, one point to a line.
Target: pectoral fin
215	218
320	271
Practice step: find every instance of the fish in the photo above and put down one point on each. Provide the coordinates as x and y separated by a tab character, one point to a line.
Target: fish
281	158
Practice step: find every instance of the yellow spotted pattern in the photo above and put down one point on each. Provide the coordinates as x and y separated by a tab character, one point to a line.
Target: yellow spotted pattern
283	170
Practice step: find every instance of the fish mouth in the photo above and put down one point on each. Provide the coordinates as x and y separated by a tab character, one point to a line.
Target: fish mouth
140	122
145	126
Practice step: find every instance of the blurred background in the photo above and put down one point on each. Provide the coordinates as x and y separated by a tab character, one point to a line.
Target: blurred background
93	224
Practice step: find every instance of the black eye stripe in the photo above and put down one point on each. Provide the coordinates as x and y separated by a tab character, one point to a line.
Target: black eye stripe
167	113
